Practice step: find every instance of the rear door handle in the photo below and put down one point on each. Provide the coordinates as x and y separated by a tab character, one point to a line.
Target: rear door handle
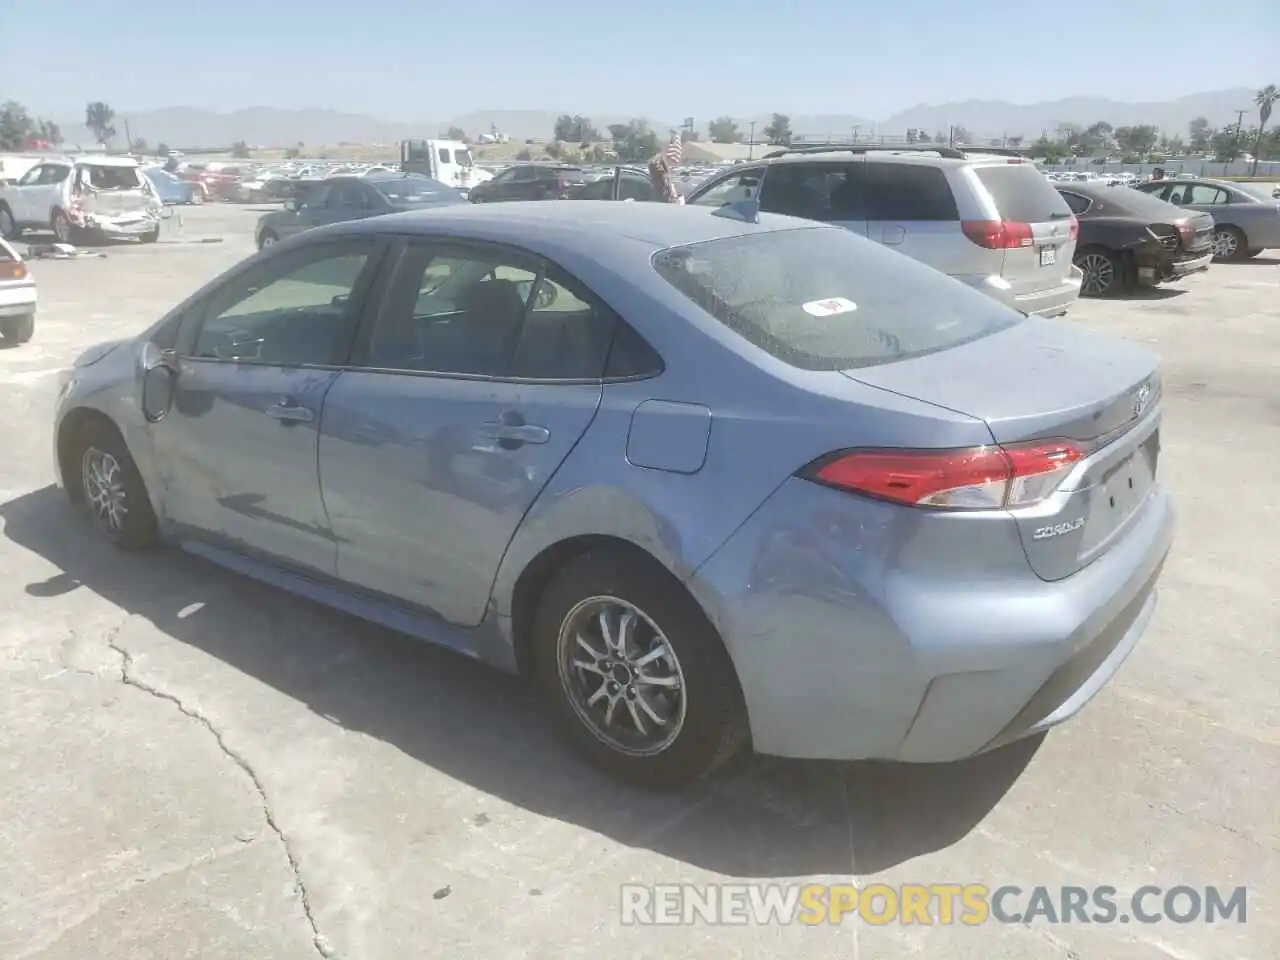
290	411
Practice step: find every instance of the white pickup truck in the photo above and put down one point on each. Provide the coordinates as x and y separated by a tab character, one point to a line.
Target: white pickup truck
93	195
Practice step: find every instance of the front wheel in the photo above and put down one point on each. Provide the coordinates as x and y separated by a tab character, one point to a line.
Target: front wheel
112	487
634	672
1228	244
152	236
1103	272
267	239
9	229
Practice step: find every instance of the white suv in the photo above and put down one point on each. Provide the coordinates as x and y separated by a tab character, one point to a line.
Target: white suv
17	297
102	196
991	221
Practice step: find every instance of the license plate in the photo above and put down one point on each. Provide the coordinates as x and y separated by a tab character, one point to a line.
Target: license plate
1048	256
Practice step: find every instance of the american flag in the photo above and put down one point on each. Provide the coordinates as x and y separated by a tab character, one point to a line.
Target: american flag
661	165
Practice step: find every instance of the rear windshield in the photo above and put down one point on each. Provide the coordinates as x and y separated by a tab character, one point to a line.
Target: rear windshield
824	299
110	178
415	190
1126	200
1022	194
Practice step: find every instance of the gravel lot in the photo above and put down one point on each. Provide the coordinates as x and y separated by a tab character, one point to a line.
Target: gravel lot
196	766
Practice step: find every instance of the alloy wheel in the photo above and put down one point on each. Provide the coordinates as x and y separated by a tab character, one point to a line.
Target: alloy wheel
103	482
621	676
1099	273
1225	244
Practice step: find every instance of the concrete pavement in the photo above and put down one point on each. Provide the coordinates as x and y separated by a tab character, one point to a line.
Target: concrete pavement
197	766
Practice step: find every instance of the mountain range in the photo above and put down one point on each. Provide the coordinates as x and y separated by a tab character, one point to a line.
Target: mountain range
268	126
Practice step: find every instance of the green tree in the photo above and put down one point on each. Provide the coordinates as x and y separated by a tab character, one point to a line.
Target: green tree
1265	99
16	125
724	130
1225	146
456	133
49	131
524	156
162	149
778	132
139	146
575	129
1199	135
100	118
240	150
637	143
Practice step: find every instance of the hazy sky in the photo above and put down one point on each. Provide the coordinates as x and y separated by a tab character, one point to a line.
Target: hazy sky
408	60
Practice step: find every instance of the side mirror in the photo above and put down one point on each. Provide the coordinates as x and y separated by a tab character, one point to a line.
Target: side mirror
158	377
292	205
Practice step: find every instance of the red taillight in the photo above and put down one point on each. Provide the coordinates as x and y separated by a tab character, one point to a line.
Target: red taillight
978	478
998	234
12	269
1073	228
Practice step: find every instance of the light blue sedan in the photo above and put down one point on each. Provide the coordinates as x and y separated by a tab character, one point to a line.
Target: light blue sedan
711	480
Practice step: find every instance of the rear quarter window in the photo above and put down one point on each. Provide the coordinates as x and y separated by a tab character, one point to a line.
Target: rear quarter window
1021	193
904	191
825	299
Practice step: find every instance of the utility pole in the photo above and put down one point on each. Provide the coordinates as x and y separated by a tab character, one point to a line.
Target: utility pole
751	142
1239	125
855	133
951	136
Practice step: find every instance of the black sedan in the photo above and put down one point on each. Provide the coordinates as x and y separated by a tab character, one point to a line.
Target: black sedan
352	198
1129	239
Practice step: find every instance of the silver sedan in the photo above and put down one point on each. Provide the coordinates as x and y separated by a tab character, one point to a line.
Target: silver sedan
1246	215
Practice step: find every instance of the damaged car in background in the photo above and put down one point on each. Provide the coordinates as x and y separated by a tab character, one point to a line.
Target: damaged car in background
1130	239
84	198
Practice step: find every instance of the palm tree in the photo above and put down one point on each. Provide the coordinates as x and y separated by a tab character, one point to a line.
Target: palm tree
1265	99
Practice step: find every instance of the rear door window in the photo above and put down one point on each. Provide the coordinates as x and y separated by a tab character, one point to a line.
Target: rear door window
908	192
1021	193
825	299
1077	203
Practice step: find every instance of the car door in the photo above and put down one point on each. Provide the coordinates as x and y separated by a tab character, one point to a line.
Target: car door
38	193
466	393
516	186
308	211
911	209
827	192
1203	197
349	201
255	357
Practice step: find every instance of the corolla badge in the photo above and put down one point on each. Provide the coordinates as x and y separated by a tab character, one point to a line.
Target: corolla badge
1141	401
1057	529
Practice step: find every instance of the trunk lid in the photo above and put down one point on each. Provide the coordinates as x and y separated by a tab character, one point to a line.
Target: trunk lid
1044	380
111	190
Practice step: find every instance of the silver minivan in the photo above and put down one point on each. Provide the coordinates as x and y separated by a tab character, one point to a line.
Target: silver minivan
993	222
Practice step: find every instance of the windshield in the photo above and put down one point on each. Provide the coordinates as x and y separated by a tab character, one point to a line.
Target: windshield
463	158
415	190
824	299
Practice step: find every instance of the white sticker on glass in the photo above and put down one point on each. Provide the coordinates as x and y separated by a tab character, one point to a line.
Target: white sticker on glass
829	307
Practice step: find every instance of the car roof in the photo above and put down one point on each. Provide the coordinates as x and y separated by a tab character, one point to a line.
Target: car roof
105	161
576	226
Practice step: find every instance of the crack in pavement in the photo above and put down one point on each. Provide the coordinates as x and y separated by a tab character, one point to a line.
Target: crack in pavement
129	679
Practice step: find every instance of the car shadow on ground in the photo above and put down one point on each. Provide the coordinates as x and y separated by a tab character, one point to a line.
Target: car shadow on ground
764	818
1152	293
1260	261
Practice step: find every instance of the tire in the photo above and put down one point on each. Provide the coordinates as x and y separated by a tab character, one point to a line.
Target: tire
18	329
1229	244
9	229
695	693
99	445
197	198
267	239
1104	272
151	237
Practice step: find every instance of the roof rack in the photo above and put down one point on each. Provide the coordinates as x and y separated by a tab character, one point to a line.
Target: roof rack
950	153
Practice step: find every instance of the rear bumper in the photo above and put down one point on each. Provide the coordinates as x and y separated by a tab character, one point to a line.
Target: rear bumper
1050	301
862	630
1158	269
17	299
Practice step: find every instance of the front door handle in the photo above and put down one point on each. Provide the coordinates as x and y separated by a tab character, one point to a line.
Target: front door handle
290	411
512	435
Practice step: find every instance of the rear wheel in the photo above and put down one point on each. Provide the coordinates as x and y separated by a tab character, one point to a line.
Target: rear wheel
267	239
18	329
1103	272
152	236
1229	244
634	673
